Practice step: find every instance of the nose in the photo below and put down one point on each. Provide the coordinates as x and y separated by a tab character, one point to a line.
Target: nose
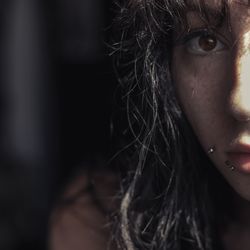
240	92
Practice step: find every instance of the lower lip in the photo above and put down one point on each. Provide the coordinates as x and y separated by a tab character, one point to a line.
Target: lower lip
241	161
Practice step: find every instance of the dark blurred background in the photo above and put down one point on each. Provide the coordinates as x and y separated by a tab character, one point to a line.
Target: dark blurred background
56	98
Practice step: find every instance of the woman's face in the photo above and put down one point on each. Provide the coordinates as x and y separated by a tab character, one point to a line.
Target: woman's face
211	71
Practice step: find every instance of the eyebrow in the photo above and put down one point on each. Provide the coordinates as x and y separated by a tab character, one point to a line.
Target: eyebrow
211	14
215	14
201	7
198	5
243	2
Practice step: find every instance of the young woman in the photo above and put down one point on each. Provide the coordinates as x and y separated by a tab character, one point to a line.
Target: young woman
187	66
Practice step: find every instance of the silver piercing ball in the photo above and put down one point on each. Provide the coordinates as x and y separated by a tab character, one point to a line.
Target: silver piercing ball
211	150
230	166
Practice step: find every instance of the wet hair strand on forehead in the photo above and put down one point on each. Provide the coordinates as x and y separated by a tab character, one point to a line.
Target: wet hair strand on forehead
214	13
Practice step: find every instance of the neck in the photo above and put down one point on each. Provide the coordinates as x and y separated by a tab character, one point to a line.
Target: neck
235	234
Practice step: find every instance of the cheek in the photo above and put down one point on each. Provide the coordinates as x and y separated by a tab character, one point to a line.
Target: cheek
201	86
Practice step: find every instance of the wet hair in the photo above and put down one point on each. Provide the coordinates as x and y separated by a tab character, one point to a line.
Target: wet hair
171	196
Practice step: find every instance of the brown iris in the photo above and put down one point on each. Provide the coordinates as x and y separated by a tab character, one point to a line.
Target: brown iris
207	42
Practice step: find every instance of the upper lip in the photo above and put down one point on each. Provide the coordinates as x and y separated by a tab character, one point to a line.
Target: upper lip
240	148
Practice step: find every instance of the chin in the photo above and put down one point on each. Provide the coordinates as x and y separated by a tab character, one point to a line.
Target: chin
242	188
243	195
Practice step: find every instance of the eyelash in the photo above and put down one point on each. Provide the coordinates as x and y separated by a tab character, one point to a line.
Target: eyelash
187	38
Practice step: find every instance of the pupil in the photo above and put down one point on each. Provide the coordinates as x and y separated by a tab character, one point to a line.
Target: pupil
207	42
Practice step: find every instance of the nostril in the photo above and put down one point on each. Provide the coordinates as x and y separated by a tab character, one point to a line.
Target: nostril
240	115
245	119
239	105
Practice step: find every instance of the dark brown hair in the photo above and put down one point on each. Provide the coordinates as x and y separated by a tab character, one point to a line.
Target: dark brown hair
169	200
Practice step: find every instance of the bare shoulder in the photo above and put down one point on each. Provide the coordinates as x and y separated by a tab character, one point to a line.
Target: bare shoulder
81	220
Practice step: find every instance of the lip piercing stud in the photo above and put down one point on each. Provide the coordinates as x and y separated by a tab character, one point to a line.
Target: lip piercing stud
230	166
211	150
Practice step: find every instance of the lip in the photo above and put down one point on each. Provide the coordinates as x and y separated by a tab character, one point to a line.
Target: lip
239	157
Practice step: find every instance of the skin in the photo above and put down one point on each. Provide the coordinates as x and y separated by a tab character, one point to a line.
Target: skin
77	222
213	88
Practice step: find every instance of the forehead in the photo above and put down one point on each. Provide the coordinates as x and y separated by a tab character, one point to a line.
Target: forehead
237	12
219	7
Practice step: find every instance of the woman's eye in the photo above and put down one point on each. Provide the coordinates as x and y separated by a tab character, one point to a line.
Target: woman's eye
203	44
